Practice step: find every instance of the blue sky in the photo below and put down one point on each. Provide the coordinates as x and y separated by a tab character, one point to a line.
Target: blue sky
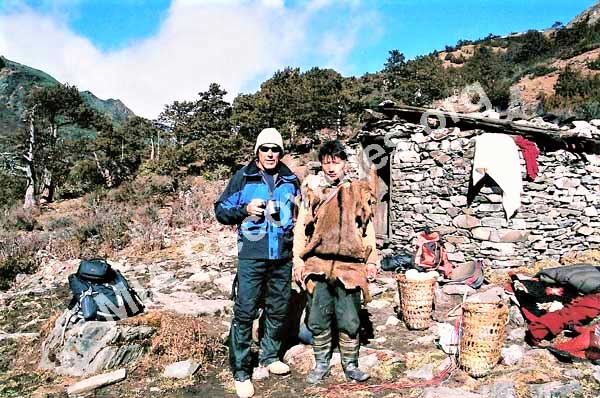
149	53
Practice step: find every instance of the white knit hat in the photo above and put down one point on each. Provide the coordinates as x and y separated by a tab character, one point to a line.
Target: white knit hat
269	136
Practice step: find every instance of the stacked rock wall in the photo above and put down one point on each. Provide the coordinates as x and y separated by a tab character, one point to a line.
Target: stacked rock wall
430	172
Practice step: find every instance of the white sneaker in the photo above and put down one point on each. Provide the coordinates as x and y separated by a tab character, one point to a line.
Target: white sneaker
278	368
244	389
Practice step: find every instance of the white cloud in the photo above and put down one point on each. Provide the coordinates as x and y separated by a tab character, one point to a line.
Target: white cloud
228	42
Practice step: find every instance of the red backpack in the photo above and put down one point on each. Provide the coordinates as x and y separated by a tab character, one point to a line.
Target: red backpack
431	255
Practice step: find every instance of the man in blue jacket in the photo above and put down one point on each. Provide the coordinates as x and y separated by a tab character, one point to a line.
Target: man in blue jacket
261	200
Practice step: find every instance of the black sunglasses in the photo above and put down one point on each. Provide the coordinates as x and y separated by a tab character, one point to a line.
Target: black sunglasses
265	149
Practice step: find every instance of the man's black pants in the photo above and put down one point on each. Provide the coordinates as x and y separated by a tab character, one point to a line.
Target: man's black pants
270	279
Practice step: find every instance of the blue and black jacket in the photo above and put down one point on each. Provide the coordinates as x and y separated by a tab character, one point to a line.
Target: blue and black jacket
263	238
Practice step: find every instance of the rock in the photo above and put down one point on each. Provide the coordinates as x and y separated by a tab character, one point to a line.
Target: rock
512	355
181	370
511	235
440	219
423	340
437	172
91	347
585	230
406	157
565	182
96	382
596	373
495	222
368	361
300	357
504	249
200	277
225	283
260	373
191	304
392	321
500	389
516	317
590	211
534	357
419	138
481	233
517	334
466	221
425	372
446	392
583	129
574	373
556	389
456	257
459	289
489	207
378	304
17	336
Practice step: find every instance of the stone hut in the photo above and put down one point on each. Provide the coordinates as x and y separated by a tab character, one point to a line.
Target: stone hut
423	164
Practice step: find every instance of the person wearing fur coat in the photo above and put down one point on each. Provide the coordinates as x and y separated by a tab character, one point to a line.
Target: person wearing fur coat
334	257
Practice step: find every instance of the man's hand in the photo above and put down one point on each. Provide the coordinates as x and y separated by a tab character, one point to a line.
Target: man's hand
298	274
256	207
372	272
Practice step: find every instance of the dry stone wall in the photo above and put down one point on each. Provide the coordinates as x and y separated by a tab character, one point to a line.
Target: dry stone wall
430	174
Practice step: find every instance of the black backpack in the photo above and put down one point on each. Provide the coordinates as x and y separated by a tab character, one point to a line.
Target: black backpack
101	293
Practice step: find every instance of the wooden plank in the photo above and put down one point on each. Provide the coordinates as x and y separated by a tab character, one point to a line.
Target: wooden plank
549	139
96	382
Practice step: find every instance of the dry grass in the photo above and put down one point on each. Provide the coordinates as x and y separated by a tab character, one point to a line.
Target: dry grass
49	324
585	257
500	277
194	205
181	337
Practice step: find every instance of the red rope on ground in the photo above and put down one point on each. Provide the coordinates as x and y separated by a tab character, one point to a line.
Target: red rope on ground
436	380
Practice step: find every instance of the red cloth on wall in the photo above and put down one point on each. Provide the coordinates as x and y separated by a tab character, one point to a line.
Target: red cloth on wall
530	153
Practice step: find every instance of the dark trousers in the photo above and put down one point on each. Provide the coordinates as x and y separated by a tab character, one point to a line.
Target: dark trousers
329	300
258	279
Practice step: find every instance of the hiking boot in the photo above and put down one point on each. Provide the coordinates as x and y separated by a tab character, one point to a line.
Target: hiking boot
244	389
352	372
349	349
278	368
320	371
322	351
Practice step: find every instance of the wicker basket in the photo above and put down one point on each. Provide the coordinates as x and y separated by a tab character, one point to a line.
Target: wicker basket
416	301
483	333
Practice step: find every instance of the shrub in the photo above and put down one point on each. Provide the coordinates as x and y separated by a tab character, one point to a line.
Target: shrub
154	184
194	206
59	223
588	110
540	70
457	59
529	46
105	231
19	255
148	230
595	64
19	219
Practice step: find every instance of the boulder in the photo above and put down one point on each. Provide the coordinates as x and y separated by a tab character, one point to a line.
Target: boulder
466	221
92	347
181	370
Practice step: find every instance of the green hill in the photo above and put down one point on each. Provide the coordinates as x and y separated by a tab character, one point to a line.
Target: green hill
17	81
